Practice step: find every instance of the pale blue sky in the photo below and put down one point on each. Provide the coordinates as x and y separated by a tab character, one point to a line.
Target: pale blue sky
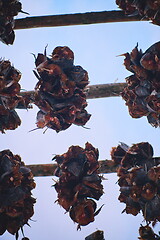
95	48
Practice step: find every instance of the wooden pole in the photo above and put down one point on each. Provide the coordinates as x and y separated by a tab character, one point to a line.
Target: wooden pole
74	19
92	91
105	90
106	166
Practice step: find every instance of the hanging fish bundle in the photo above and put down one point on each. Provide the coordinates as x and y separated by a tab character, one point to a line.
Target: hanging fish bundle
147	233
16	201
8	9
147	9
139	180
97	235
142	93
79	183
9	96
60	93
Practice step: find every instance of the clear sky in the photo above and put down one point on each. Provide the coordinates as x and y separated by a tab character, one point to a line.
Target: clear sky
95	48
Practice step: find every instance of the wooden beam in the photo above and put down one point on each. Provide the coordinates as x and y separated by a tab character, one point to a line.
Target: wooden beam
92	91
105	90
106	166
74	19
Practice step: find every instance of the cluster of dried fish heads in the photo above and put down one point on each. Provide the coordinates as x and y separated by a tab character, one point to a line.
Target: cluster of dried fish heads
16	201
148	9
142	93
139	175
60	91
79	183
8	9
147	233
9	96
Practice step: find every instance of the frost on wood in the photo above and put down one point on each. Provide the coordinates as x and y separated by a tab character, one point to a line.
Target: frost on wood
142	93
79	183
59	92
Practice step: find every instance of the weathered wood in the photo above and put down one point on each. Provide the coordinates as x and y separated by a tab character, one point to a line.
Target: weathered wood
106	166
74	19
92	91
105	90
42	169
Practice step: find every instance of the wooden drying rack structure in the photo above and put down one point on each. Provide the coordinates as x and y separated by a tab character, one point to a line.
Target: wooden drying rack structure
92	91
